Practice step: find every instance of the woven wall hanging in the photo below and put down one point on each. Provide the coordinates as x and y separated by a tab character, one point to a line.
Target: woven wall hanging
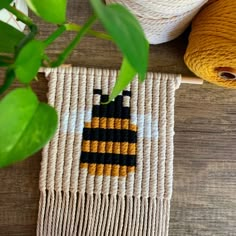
109	168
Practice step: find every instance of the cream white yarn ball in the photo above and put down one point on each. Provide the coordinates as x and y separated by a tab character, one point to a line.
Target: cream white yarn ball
10	19
162	20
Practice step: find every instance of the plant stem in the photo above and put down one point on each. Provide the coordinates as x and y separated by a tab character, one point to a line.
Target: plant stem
26	20
10	76
84	29
75	27
27	38
20	16
55	35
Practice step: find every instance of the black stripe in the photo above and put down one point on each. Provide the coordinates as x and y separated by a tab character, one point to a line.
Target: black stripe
126	112
104	98
114	135
119	112
108	158
97	91
126	93
118	106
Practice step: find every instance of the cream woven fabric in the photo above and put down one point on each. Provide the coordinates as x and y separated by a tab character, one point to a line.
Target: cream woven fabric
109	168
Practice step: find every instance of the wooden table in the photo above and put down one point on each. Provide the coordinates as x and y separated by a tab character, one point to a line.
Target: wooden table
204	198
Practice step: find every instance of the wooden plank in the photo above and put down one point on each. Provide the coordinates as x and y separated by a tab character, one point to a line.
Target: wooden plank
204	197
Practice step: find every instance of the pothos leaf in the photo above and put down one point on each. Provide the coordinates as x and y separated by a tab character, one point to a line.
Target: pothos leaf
29	61
9	38
5	3
125	76
126	32
26	125
53	11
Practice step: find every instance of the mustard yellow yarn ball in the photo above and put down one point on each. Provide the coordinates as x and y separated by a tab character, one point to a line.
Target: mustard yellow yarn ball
211	52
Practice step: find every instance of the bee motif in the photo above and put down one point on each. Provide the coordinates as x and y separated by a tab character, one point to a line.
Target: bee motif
109	145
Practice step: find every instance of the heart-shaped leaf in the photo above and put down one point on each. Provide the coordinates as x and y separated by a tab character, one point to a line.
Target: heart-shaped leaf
5	3
26	125
9	38
126	32
53	11
29	61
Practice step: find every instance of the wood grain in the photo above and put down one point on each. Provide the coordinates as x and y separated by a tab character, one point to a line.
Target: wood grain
204	198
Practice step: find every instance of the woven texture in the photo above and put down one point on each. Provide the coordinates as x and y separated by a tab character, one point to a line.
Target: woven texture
212	43
109	168
162	20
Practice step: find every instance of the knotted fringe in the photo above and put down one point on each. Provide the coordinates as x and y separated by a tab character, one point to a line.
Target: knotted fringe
83	214
109	168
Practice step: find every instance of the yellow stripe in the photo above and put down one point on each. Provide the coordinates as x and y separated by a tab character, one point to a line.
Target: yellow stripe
123	170
115	170
92	168
110	123
124	148
131	169
84	165
107	169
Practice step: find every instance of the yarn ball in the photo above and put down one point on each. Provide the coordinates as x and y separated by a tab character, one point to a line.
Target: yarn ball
162	20
211	52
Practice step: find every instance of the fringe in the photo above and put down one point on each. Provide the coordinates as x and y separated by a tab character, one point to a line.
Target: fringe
98	215
71	214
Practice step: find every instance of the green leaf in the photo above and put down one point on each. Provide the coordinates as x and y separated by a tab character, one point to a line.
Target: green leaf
53	11
126	32
126	75
26	125
29	61
5	3
9	38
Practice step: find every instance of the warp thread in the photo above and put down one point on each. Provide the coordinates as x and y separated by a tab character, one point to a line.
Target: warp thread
212	45
162	20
